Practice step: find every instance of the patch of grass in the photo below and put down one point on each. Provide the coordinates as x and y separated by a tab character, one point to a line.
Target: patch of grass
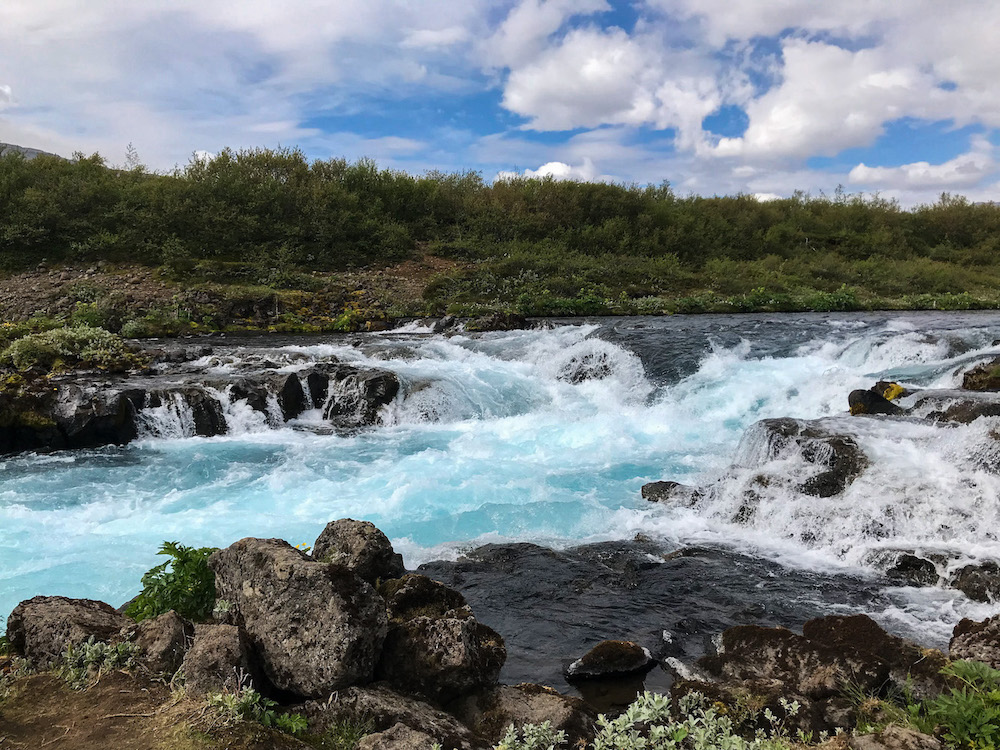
184	584
246	704
343	734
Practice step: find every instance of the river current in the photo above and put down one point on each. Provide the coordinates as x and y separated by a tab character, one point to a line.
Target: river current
545	436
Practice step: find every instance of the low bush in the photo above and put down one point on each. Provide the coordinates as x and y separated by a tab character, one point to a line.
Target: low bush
246	704
87	662
66	348
184	584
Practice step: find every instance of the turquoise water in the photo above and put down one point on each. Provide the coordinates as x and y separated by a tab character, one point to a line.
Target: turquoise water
491	442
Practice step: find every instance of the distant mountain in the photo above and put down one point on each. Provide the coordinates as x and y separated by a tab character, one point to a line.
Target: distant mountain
29	153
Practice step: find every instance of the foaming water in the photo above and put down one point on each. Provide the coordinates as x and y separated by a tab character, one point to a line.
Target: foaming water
544	436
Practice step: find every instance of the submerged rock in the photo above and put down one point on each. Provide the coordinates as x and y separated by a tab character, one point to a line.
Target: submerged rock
359	546
315	627
42	628
916	571
670	492
589	366
611	659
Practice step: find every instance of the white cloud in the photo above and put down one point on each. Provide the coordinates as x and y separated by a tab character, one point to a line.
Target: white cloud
524	33
561	171
963	171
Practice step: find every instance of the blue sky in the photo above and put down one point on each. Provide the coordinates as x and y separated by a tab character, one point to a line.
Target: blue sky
715	96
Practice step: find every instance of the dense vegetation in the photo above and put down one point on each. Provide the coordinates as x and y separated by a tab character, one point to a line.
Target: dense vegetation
273	220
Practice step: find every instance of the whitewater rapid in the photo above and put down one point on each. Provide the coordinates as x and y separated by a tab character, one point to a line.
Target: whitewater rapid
503	437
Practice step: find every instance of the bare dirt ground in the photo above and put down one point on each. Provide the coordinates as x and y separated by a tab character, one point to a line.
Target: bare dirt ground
120	712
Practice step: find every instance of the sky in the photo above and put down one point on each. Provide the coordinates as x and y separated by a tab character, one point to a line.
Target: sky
895	97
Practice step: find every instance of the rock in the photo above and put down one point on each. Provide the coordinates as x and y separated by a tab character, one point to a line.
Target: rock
219	659
291	396
984	377
415	595
491	711
978	641
441	658
670	492
397	737
869	402
385	708
611	659
447	323
895	738
355	395
360	547
163	641
40	629
979	582
316	627
960	407
497	322
839	457
916	571
590	366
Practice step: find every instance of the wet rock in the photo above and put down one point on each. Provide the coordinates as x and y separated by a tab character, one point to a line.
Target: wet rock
869	402
355	395
890	390
447	323
359	546
984	377
590	366
980	582
913	570
40	629
490	712
670	492
385	708
497	322
397	737
316	627
416	595
977	641
960	407
838	457
162	641
254	394
895	738
219	659
291	396
611	659
441	658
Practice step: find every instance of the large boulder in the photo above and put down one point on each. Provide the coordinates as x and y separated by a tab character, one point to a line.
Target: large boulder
219	660
355	395
384	708
435	647
977	641
980	581
162	642
870	402
490	712
359	546
40	629
984	377
316	626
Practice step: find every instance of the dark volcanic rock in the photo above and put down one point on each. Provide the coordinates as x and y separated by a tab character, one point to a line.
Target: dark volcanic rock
359	546
490	712
355	395
839	458
497	322
869	402
590	366
315	627
219	659
385	708
978	641
984	377
960	407
397	737
611	659
914	570
162	642
415	595
670	492
979	582
40	629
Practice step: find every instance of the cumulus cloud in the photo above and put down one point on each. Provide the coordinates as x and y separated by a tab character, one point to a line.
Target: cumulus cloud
963	171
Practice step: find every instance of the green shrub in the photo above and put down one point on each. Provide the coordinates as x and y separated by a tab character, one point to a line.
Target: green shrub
968	716
246	704
184	584
64	348
88	661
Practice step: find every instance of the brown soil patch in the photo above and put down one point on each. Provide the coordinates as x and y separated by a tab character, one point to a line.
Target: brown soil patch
54	292
406	281
120	712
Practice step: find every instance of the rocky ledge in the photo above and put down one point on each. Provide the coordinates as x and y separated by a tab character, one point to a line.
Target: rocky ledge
191	391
